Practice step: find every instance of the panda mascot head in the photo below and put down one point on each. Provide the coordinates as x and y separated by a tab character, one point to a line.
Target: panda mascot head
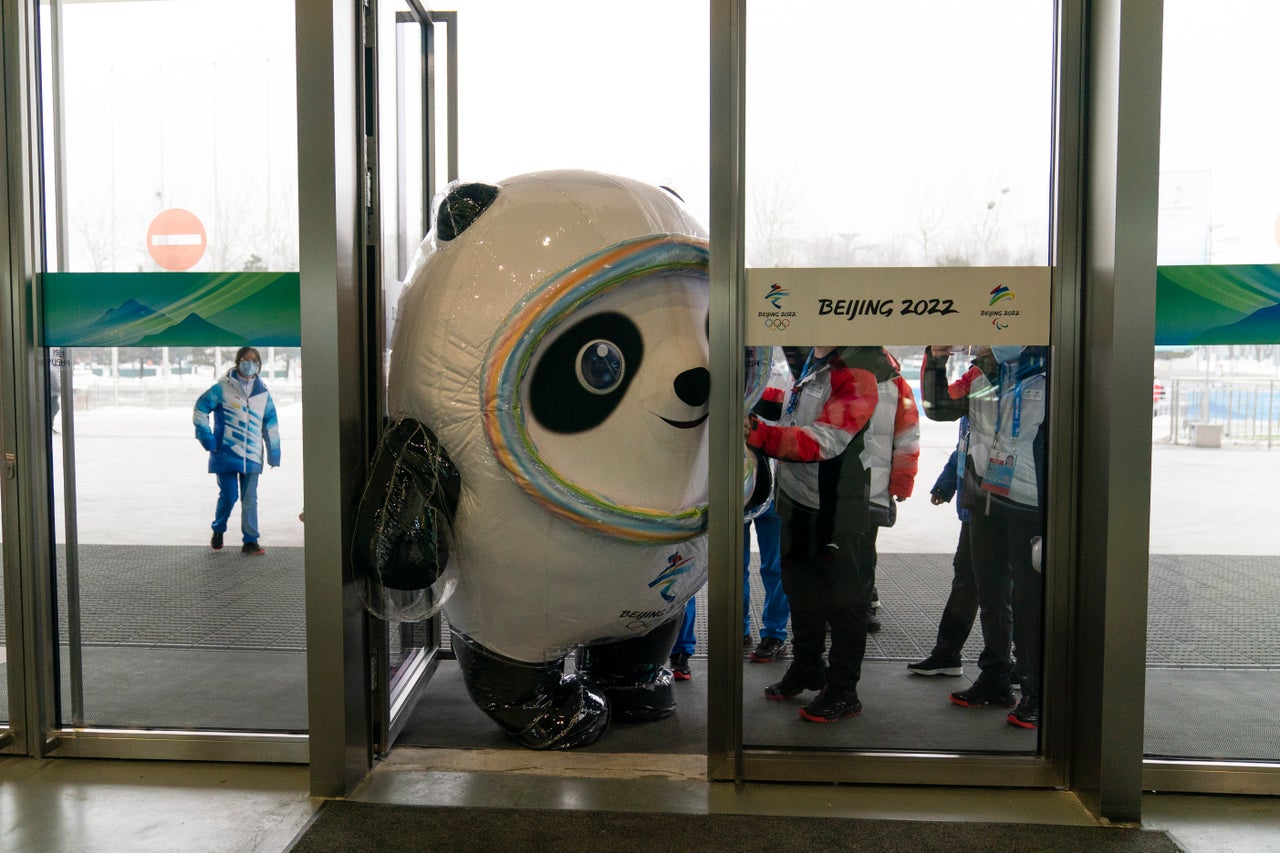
548	393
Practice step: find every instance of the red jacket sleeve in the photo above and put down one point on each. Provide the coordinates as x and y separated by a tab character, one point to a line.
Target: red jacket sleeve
906	443
846	412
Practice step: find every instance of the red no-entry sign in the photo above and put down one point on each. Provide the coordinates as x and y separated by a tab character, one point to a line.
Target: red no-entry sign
176	239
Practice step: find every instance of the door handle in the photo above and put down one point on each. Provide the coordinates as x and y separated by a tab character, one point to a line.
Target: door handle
10	466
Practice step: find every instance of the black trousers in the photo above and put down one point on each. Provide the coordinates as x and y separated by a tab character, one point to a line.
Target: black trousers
962	603
1010	596
829	587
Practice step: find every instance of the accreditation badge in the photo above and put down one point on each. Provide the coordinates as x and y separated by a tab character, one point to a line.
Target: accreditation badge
999	476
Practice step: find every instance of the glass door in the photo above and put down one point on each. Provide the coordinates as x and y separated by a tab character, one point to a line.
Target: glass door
595	145
1212	659
898	229
410	137
19	468
170	312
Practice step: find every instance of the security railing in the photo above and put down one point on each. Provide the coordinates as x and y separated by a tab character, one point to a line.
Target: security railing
1205	411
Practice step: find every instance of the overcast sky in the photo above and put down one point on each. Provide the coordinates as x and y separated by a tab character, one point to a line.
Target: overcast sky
872	119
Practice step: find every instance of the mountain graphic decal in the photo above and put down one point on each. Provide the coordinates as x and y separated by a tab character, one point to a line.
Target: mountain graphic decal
194	330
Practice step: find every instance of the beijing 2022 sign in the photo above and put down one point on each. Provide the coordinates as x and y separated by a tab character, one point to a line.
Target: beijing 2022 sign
897	306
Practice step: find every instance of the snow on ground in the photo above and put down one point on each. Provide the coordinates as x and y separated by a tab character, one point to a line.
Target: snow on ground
142	478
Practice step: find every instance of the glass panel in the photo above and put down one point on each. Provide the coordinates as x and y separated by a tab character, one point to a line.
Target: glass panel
177	148
569	86
905	135
1212	660
898	134
4	620
403	200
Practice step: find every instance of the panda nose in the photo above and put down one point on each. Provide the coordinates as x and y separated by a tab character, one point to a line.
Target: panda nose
694	386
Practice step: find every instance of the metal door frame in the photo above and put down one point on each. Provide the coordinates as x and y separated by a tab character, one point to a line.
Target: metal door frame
394	698
1106	146
31	598
1105	157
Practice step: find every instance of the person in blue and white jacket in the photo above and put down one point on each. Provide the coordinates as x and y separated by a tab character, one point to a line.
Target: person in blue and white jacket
244	422
1005	463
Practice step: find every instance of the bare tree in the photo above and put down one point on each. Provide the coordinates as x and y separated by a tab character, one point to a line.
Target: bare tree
773	223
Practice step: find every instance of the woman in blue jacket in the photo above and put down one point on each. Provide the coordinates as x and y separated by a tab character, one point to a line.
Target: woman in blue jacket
244	422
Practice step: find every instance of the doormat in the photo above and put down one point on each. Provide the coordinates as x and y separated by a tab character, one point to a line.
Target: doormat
351	826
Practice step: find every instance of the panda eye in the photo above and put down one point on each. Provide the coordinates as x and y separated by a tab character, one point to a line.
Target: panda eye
600	367
582	376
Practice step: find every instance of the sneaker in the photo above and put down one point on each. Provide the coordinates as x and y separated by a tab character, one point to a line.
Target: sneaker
832	705
934	665
873	622
984	693
767	651
1027	714
875	598
794	682
747	641
216	542
252	548
680	667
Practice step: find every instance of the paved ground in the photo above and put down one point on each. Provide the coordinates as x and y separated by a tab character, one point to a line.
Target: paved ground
150	583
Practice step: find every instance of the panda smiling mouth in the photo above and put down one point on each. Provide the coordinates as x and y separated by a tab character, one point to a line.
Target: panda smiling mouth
686	424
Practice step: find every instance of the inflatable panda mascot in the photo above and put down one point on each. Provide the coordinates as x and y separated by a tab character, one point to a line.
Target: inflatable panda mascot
543	478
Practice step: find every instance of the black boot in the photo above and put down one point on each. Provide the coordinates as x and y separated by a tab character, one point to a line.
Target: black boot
795	681
832	704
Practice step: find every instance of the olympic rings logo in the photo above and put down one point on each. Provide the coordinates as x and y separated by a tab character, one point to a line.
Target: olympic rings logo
778	323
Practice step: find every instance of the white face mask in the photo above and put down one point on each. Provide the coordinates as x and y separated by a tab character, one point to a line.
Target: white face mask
1006	354
248	368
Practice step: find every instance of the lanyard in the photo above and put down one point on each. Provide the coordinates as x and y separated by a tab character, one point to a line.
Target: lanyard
1017	407
809	367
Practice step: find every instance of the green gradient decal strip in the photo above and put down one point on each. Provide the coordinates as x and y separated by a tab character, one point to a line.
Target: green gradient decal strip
149	309
1205	305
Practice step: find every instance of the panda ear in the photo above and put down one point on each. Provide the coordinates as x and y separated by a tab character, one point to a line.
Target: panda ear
461	206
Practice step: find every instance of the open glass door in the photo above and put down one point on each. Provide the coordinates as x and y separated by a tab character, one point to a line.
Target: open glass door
409	152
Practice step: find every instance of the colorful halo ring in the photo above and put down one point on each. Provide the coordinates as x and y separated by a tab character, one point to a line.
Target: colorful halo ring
508	359
757	376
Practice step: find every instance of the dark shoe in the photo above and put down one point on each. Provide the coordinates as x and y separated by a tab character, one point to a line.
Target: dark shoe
747	641
680	667
831	705
216	542
767	651
873	622
934	665
1027	714
983	692
794	682
252	548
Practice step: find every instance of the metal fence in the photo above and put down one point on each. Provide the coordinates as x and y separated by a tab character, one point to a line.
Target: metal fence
168	392
1206	411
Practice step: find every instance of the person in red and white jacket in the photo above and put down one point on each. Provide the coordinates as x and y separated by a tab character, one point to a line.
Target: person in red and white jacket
891	453
824	499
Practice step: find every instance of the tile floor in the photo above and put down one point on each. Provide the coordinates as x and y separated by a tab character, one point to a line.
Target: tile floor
87	806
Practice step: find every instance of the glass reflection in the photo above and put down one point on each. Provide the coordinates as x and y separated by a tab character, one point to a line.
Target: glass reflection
852	428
